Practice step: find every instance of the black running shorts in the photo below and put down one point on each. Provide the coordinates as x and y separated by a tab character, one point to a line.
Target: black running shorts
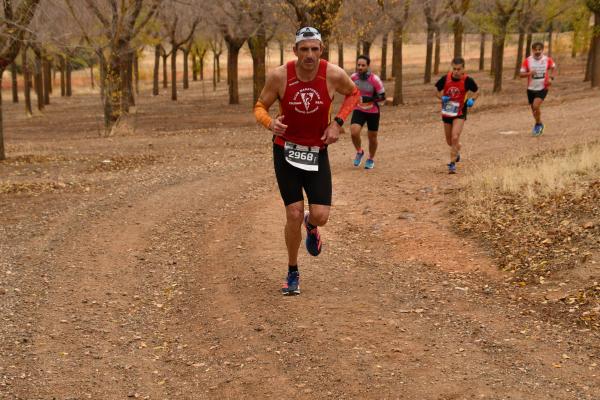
360	117
533	94
291	180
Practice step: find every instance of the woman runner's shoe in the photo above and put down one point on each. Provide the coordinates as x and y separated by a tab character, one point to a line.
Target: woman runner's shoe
370	163
292	284
313	239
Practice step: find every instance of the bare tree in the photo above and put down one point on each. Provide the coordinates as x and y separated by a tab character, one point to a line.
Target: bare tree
398	12
319	14
119	26
594	6
434	14
458	9
12	30
179	25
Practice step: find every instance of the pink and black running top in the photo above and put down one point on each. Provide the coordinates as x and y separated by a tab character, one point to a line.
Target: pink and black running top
369	87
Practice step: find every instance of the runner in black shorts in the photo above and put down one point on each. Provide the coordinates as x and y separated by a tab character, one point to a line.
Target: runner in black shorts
301	133
458	92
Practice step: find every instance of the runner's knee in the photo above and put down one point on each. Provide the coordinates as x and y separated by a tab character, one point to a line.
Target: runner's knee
319	217
295	213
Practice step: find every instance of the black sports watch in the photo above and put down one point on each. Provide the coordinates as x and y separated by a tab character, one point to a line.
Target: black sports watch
339	121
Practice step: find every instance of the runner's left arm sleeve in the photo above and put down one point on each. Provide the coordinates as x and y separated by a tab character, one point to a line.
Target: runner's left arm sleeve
349	103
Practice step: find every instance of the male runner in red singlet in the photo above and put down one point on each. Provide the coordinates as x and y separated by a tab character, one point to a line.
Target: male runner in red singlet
539	69
452	89
301	133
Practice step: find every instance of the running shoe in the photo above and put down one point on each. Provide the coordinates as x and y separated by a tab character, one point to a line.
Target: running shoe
370	163
292	284
313	239
452	168
358	158
538	129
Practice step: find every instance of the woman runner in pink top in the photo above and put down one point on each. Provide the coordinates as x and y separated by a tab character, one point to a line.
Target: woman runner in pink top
367	110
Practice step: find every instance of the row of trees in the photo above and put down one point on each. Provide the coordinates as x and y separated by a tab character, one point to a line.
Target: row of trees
59	35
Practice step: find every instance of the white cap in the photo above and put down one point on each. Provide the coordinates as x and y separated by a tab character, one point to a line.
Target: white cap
308	33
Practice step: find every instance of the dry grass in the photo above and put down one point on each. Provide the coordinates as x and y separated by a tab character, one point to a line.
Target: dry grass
541	176
540	219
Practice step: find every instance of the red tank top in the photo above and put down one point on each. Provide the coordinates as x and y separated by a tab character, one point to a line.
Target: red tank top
306	107
456	90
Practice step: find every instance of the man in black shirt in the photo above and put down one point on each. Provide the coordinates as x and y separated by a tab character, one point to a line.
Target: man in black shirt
452	90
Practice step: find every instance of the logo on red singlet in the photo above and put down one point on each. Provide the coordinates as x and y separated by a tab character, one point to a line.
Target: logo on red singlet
306	101
453	91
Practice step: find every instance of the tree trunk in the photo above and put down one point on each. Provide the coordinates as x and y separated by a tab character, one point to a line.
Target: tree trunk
590	59
136	72
186	79
482	52
528	44
384	45
596	53
91	76
2	152
233	51
458	29
155	72
358	51
366	48
550	41
201	62
214	73
429	54
436	58
14	83
68	76
38	81
325	54
26	82
165	75
340	49
397	65
174	73
63	87
499	44
519	59
194	66
258	47
281	52
218	61
574	44
130	65
46	80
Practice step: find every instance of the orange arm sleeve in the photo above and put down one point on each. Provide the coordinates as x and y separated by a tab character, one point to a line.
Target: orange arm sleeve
349	103
262	115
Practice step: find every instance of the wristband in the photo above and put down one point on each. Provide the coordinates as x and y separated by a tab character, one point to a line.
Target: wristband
339	121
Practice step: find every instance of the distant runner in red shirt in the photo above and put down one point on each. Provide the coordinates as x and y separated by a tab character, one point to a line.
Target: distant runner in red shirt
458	92
539	70
301	133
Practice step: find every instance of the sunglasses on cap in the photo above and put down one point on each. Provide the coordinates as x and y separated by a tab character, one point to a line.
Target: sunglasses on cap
307	33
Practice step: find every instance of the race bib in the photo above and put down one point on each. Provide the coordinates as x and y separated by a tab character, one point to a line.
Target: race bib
539	74
450	108
303	157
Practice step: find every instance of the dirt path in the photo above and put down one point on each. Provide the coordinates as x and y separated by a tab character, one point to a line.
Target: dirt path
164	283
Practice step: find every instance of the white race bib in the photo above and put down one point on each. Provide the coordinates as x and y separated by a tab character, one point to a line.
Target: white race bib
450	108
303	157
